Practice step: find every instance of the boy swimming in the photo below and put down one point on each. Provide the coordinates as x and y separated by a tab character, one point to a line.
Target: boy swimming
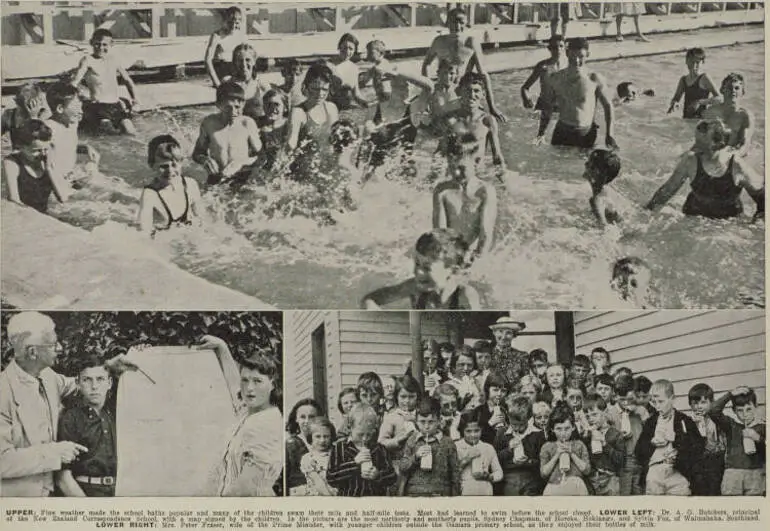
466	205
437	283
628	92
100	72
228	142
696	87
631	278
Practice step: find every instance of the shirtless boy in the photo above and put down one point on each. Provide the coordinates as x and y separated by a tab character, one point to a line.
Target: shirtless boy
100	71
543	70
437	281
245	76
471	124
463	50
466	205
222	43
67	111
228	142
738	119
443	100
574	91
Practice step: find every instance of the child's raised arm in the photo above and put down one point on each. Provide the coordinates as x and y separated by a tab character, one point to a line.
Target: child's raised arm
476	62
389	294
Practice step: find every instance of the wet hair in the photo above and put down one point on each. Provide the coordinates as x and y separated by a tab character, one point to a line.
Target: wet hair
371	382
519	409
58	94
720	133
345	391
698	54
290	64
445	64
577	43
666	386
744	399
581	360
231	11
554	41
607	165
164	147
732	77
624	89
343	134
348	37
376	46
31	131
317	71
228	90
605	379
469	79
537	355
267	365
624	384
623	267
428	407
292	426
455	12
642	384
89	361
272	93
469	417
699	391
243	49
31	91
594	400
443	244
561	412
322	422
406	383
495	379
99	34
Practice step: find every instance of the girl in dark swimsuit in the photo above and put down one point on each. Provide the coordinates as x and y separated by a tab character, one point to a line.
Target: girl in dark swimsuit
716	177
696	92
273	127
173	196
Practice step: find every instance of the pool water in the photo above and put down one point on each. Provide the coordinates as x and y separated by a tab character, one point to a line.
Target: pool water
548	253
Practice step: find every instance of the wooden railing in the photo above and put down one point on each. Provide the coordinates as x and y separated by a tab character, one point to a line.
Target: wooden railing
49	22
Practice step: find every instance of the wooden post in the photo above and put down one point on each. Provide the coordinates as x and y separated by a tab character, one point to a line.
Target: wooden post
415	331
47	25
156	31
338	19
565	336
170	23
413	15
700	6
601	11
472	14
88	24
515	12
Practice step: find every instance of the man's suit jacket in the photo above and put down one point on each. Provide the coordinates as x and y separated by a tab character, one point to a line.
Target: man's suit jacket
26	463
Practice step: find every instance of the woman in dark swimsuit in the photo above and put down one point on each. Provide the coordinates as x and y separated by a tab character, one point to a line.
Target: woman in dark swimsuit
716	177
174	197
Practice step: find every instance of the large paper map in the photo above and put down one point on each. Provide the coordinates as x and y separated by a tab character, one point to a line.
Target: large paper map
169	433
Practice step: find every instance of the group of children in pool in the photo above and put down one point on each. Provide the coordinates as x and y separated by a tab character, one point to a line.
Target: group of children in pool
558	431
306	118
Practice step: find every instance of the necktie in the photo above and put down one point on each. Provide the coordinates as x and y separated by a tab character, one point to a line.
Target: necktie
44	395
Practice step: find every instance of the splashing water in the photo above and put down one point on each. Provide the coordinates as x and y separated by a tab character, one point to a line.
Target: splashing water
266	240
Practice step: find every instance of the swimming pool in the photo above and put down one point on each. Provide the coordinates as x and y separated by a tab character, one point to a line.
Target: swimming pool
548	254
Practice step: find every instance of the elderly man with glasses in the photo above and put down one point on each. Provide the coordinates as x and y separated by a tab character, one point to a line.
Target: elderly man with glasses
30	402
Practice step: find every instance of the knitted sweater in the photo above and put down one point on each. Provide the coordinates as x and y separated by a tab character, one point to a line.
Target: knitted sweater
442	479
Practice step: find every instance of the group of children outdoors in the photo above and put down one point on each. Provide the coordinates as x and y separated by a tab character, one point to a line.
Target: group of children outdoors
586	429
260	130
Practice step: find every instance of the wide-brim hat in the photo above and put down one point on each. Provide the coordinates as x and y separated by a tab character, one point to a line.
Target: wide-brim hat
508	323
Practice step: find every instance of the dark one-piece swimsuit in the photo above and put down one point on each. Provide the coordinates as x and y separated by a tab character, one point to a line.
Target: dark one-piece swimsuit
693	93
33	191
714	197
183	219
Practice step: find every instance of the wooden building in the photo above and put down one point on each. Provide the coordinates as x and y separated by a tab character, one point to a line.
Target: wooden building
328	350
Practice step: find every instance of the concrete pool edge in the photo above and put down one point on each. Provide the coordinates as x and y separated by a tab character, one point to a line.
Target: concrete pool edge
199	92
50	264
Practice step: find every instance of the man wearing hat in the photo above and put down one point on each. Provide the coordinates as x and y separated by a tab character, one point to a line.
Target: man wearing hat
508	361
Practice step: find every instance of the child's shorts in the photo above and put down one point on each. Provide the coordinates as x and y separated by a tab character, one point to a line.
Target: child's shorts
94	112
